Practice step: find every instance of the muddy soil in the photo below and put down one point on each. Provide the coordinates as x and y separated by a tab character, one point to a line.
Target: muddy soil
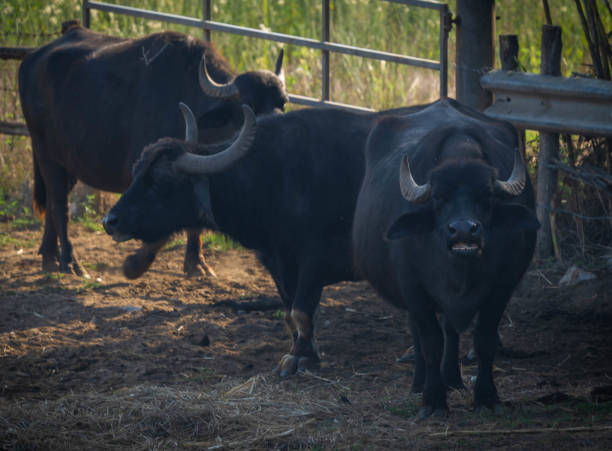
163	362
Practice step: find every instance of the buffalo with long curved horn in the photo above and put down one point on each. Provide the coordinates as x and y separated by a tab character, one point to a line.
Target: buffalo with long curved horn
191	163
230	89
416	193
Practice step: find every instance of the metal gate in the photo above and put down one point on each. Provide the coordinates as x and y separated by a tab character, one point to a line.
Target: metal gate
325	45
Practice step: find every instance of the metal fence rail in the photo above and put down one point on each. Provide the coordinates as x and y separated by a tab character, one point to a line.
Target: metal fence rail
550	103
324	44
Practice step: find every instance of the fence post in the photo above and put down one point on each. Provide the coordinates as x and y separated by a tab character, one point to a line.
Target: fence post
325	53
206	10
475	50
86	14
508	55
549	149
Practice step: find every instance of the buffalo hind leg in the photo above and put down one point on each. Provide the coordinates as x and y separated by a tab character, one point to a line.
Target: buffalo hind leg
48	248
58	184
304	353
195	265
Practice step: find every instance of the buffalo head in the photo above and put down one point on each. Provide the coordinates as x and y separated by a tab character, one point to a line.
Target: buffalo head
170	187
262	90
463	201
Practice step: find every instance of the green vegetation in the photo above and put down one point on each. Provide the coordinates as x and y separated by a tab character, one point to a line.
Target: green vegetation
369	23
218	242
90	219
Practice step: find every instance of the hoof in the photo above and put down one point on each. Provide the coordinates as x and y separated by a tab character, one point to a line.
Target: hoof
418	388
50	265
426	412
454	383
408	357
198	270
136	265
496	407
73	267
291	364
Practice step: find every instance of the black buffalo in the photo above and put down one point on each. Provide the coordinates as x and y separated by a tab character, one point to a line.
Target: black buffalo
291	198
92	103
445	225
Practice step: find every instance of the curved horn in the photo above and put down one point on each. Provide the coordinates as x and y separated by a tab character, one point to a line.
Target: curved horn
191	125
516	182
212	88
411	191
191	163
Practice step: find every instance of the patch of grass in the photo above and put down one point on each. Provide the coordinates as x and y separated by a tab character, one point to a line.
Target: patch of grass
405	409
90	219
7	240
89	285
98	266
219	242
54	276
278	314
202	374
26	222
174	244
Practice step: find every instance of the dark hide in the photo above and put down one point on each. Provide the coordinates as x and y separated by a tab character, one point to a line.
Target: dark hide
291	199
461	252
92	103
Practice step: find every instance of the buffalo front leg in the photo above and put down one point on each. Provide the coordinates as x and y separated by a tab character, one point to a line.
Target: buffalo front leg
418	380
431	343
486	341
136	264
195	265
451	368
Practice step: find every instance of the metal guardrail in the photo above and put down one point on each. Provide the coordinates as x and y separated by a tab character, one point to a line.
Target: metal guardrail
551	104
15	53
324	44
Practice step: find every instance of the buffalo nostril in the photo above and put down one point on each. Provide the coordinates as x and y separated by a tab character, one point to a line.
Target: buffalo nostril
109	221
475	228
452	228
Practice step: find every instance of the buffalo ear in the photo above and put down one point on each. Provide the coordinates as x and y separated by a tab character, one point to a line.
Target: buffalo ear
514	216
201	188
416	222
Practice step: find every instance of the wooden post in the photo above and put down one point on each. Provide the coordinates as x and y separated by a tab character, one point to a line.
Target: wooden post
549	149
206	10
86	14
475	50
508	54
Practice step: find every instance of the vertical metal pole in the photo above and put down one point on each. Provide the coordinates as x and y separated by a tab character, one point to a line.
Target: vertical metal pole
206	8
475	50
445	26
86	14
325	53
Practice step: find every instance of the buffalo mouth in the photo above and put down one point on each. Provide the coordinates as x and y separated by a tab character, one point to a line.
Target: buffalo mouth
121	237
462	248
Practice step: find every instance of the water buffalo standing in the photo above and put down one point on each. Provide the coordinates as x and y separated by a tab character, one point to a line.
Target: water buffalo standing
291	198
92	103
445	225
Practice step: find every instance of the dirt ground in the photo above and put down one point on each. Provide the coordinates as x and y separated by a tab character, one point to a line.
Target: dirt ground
108	363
